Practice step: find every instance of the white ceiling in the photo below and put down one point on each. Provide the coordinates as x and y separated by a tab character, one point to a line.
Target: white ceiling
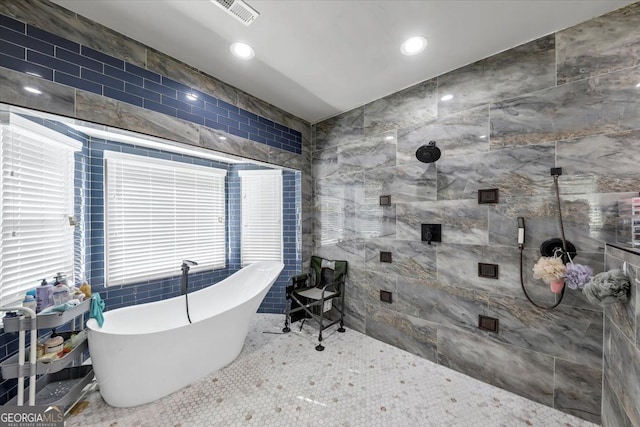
318	58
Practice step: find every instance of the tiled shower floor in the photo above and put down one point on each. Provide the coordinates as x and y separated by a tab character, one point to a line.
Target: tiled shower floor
281	380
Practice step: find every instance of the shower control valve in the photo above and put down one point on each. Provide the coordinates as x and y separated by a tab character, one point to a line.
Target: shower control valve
431	233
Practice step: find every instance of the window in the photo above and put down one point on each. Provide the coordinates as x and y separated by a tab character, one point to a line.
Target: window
159	212
261	215
36	188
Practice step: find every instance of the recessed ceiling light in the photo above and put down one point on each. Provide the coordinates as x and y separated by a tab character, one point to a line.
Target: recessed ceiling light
413	45
242	50
482	136
389	137
638	85
447	97
32	90
222	138
192	96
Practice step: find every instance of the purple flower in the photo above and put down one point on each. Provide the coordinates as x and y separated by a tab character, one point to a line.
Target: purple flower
577	275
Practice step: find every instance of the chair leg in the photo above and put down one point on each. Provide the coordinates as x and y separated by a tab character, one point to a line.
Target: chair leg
320	347
286	318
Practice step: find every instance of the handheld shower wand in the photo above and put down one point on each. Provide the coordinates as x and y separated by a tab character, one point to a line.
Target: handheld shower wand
520	232
185	282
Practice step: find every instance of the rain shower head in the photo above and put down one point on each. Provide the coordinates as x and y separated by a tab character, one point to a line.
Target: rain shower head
428	153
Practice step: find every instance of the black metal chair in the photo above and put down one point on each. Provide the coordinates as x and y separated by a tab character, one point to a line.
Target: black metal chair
310	295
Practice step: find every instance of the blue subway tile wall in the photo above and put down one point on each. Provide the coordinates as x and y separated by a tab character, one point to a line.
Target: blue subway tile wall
274	302
89	234
28	49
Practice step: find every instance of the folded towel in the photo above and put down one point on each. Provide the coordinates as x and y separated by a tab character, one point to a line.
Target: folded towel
328	264
66	306
59	308
97	306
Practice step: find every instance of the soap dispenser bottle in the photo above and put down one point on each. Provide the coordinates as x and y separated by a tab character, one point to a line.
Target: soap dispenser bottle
44	296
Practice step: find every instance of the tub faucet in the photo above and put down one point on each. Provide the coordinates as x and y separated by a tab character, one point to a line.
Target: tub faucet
185	274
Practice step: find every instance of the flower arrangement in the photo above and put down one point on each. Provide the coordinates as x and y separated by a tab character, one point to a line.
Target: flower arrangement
550	270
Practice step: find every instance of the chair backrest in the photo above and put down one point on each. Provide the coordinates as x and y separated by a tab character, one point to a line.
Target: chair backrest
328	271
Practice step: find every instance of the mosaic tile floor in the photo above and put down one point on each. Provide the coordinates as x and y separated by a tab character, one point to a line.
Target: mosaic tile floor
281	380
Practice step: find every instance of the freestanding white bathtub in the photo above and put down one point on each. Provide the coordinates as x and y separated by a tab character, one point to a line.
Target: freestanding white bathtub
145	352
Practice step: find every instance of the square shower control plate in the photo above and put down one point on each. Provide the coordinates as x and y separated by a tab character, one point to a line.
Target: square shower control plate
431	232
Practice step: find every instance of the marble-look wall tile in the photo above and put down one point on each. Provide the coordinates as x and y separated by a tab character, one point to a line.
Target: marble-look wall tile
624	252
263	108
463	221
522	171
415	104
165	65
359	288
578	390
372	152
307	184
442	304
603	104
456	135
54	98
108	111
527	373
338	130
410	258
50	17
613	414
324	163
589	219
369	291
409	183
287	159
362	286
622	370
350	250
458	266
354	315
624	314
412	334
601	45
209	138
604	163
572	333
522	69
337	200
374	221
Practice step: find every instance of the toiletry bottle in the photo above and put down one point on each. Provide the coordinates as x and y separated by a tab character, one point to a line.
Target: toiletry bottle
60	294
44	296
29	302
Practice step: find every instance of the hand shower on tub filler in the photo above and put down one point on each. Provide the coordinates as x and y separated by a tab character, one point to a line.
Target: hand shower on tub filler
185	282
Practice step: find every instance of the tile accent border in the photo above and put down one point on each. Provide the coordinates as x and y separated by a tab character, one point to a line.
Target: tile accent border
30	50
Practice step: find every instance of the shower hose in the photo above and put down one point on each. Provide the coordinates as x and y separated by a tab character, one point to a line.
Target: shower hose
564	254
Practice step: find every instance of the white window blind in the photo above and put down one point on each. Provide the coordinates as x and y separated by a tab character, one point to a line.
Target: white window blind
158	213
261	215
36	185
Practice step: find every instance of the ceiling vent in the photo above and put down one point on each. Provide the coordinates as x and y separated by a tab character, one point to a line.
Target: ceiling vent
238	9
